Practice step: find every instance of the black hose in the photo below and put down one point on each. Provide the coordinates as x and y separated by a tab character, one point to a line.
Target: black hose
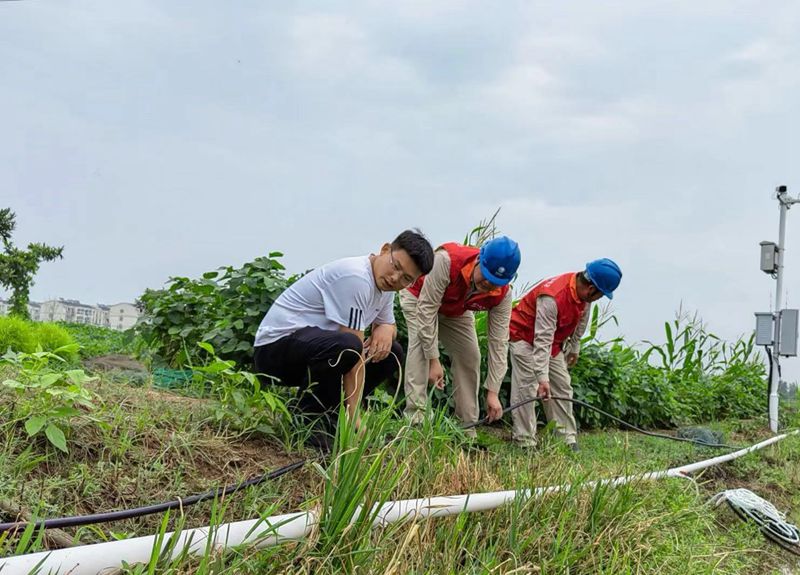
769	379
150	509
617	419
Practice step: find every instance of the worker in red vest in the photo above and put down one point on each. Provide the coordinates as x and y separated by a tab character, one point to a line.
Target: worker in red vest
439	307
545	334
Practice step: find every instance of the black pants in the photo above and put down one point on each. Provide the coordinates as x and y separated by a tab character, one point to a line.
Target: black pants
315	360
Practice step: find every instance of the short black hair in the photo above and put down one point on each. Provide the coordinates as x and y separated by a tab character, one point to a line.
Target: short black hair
417	246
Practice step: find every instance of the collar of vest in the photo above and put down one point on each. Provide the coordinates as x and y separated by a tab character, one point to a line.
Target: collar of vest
466	273
573	288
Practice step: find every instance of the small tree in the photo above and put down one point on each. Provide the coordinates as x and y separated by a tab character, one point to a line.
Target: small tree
18	267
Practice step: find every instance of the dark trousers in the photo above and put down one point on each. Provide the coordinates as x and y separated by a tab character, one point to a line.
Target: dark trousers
315	360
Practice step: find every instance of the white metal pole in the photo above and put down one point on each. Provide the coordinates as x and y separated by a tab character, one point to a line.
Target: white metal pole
775	368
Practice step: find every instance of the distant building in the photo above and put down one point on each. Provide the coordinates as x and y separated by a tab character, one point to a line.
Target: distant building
33	309
119	316
122	316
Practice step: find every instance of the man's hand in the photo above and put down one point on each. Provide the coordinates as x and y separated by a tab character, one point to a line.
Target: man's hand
378	346
494	410
544	390
436	374
572	359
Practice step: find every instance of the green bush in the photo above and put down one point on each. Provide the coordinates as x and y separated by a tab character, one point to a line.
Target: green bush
17	335
54	338
223	308
23	336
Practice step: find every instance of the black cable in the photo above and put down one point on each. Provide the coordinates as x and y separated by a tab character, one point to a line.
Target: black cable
617	419
769	379
150	509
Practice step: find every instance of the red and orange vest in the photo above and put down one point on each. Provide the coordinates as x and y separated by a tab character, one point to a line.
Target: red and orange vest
570	308
463	260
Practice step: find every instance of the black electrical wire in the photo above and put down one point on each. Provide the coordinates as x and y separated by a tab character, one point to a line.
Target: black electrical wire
769	379
108	516
150	509
617	419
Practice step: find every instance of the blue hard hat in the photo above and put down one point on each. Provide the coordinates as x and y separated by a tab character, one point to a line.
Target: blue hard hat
499	260
605	275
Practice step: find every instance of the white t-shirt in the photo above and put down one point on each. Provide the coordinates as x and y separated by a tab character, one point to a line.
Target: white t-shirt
341	293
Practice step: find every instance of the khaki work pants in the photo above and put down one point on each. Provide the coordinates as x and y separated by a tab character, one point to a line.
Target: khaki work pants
524	385
460	341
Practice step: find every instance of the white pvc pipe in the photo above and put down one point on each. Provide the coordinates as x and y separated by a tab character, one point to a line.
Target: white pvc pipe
92	559
107	556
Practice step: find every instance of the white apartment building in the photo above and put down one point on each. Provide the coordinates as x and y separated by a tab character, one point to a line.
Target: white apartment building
34	309
120	316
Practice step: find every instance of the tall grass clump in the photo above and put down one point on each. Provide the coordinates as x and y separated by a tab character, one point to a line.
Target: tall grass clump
363	473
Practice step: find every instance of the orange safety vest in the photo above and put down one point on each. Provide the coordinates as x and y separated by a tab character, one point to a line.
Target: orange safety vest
570	308
463	260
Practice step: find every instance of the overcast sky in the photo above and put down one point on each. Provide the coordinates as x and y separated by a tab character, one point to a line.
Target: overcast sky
155	139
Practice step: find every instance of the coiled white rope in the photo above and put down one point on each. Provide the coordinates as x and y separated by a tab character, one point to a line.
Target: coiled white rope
772	522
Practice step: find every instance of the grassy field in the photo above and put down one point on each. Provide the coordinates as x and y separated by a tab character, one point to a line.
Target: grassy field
141	445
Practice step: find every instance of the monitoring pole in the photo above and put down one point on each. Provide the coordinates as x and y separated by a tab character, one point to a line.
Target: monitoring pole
786	202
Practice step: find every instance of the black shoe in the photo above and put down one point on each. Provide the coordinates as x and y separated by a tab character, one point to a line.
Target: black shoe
574	447
321	441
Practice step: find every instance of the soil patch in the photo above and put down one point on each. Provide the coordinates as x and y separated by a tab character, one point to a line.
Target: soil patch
115	361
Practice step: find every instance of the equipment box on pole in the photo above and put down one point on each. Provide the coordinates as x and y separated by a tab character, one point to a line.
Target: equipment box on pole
787	344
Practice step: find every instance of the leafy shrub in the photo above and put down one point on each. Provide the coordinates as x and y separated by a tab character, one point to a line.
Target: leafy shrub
223	308
243	403
46	398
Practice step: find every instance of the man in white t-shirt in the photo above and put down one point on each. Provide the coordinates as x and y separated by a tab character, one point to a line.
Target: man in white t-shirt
312	337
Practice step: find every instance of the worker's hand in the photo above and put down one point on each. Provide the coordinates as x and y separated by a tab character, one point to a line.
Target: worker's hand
494	409
378	345
436	374
544	390
572	359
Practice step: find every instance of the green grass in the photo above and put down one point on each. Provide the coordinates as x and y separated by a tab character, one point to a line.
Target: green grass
148	446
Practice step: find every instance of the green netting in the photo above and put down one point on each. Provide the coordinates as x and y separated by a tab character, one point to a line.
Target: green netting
701	434
171	378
